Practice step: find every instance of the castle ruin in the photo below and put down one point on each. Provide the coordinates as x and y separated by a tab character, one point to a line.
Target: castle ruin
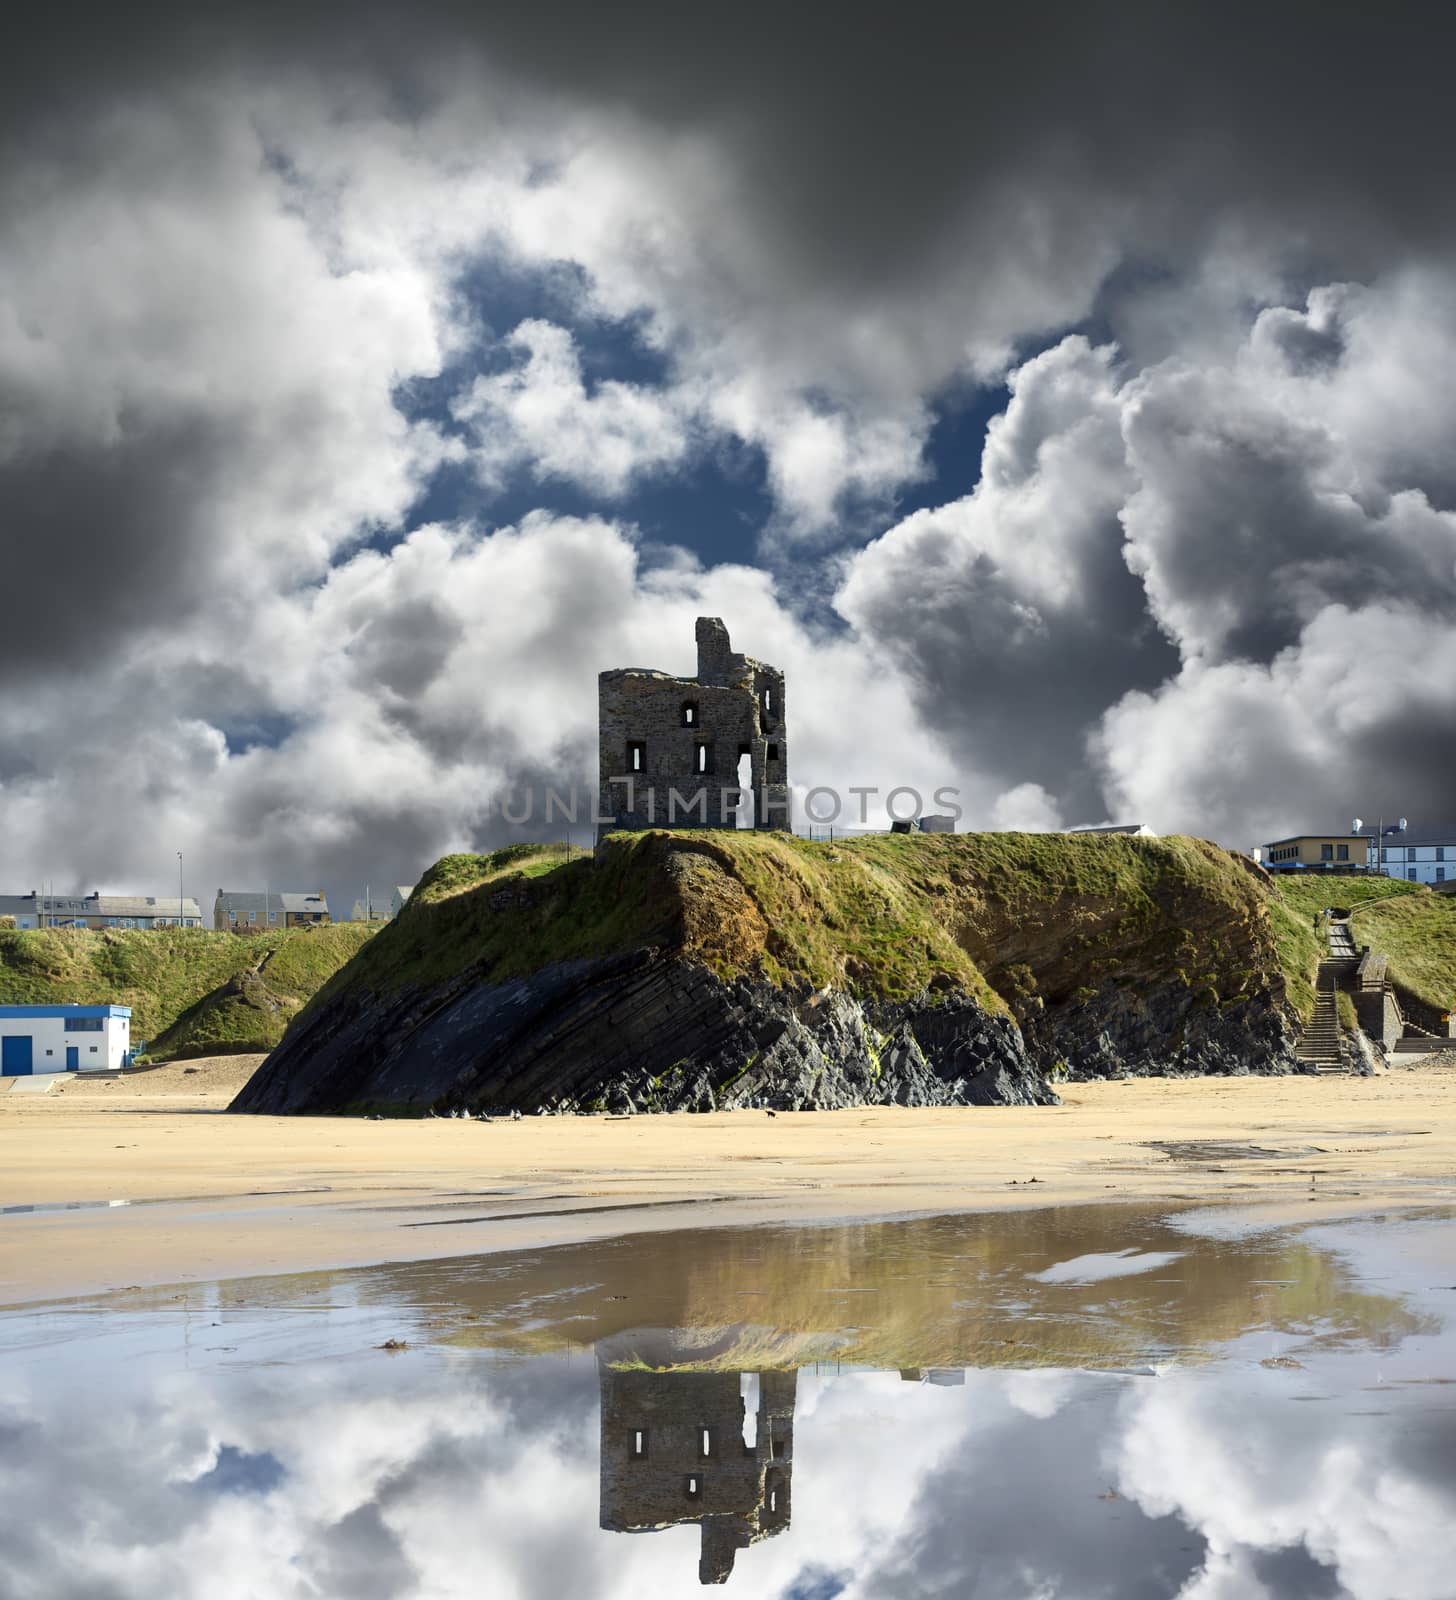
684	1447
689	752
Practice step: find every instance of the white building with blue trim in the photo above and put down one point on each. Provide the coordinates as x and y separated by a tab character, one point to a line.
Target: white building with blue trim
36	1039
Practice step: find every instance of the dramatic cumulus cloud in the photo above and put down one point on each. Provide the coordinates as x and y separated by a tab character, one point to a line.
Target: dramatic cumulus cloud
540	416
1214	595
270	284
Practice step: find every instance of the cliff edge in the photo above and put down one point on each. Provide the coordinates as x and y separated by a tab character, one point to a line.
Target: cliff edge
679	970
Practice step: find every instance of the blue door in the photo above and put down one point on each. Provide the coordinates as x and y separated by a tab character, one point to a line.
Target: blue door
73	1058
15	1055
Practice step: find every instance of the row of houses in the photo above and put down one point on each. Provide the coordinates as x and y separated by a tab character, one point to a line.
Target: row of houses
237	911
99	910
1424	853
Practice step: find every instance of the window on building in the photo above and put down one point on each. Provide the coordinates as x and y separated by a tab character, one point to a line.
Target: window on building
93	1049
703	759
1384	855
694	1486
1440	852
705	1443
639	1444
636	755
690	714
1327	852
272	916
1342	852
772	753
1410	873
83	1024
1440	874
232	916
252	916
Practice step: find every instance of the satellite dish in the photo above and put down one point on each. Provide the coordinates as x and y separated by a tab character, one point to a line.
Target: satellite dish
1356	825
1403	824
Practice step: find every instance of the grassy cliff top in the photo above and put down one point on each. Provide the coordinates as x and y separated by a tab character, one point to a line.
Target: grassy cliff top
1408	923
190	990
1416	932
1011	917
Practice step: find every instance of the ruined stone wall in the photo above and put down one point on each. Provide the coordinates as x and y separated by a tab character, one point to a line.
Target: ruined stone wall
740	1492
669	748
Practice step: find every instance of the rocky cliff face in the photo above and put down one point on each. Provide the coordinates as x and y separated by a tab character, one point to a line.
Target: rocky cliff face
680	973
642	1033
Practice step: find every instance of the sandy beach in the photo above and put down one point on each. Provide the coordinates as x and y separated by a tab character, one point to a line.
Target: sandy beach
147	1180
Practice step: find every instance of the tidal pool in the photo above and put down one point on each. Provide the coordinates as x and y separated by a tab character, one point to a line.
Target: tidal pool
1093	1402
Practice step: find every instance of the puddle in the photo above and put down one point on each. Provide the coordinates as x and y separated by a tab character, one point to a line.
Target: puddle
1083	1402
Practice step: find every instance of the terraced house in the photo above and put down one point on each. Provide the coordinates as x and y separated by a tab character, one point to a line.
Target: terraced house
99	910
254	911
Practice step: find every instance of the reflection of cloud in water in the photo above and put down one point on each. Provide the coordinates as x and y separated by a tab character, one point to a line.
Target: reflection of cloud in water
448	1472
1103	1265
484	1480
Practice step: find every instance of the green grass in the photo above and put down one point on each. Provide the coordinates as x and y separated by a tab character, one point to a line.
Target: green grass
1295	901
1015	919
1408	923
1416	932
1307	895
189	989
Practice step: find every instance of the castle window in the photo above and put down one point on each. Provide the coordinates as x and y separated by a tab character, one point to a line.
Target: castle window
690	714
705	1443
772	752
768	701
703	758
636	755
694	1486
639	1444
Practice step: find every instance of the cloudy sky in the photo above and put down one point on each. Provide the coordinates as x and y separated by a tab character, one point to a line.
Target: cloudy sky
1064	401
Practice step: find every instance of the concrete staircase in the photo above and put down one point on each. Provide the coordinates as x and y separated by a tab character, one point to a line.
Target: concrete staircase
1320	1044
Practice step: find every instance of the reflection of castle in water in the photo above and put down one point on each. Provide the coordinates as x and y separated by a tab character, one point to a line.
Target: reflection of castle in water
715	1448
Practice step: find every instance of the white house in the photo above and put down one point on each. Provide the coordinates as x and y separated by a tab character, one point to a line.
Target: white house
35	1039
400	898
1417	852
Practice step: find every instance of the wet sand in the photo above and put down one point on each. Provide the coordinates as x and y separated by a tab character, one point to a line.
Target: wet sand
209	1195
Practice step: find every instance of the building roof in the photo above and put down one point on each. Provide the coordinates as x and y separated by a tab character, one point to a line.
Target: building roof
404	890
96	905
13	1013
275	901
137	905
1418	833
1136	829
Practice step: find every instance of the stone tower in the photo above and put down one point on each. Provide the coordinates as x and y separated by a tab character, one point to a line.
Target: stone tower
671	749
675	1448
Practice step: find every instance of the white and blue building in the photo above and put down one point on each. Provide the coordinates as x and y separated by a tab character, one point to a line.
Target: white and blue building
1417	852
37	1039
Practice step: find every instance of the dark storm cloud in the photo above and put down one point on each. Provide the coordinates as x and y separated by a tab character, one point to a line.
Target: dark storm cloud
100	545
866	148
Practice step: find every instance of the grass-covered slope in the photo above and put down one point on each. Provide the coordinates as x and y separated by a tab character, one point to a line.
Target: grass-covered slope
1416	932
1408	923
1013	919
191	991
